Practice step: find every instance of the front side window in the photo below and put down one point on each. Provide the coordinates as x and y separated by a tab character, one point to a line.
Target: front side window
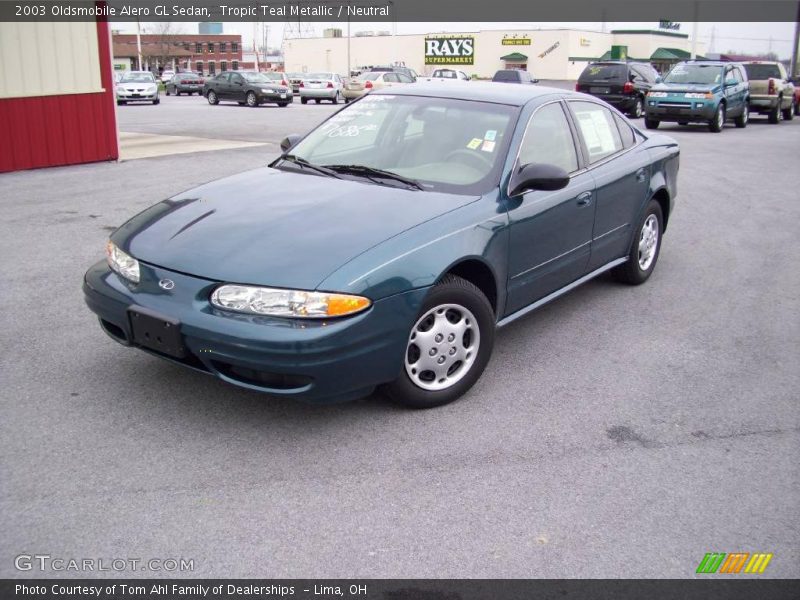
548	139
597	127
447	145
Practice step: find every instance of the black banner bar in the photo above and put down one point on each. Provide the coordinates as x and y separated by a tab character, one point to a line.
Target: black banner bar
401	10
399	589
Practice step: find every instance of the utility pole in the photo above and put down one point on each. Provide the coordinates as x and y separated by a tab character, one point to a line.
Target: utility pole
794	67
139	43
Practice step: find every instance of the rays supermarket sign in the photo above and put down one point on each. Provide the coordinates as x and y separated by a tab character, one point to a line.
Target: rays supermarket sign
450	50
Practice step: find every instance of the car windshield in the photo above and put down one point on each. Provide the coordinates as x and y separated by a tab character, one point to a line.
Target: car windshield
447	145
701	74
604	73
255	76
272	76
762	71
138	78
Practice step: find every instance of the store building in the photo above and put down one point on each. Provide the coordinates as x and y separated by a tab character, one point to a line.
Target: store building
557	54
56	94
202	53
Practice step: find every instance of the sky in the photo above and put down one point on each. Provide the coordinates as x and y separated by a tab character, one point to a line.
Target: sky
747	38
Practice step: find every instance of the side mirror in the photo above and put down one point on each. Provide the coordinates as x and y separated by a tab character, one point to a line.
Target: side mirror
730	82
538	176
289	141
534	81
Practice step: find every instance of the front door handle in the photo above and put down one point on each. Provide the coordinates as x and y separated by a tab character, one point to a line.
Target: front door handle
584	199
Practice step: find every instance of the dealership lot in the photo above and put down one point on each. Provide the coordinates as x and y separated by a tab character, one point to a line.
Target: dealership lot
614	424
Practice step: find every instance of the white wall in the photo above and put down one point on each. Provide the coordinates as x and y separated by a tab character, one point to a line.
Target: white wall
47	59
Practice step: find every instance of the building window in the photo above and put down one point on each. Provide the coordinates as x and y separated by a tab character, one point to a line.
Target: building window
198	66
223	66
211	46
198	48
223	47
212	67
234	46
187	47
186	65
235	65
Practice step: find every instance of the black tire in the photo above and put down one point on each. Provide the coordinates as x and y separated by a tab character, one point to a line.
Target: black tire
741	120
718	120
631	271
212	98
346	100
156	101
283	104
304	100
317	100
788	113
335	99
241	103
166	91
796	108
450	290
121	102
638	109
683	122
774	115
251	99
651	123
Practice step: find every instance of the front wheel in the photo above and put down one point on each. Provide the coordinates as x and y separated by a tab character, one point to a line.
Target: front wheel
741	120
157	101
718	120
448	346
212	97
651	123
645	248
251	99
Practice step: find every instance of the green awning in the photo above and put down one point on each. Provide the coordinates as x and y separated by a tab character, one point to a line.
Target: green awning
670	54
514	57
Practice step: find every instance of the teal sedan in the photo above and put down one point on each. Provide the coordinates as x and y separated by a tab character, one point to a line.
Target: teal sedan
700	91
385	247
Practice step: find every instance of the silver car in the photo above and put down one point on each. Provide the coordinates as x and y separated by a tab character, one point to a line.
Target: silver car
137	86
321	86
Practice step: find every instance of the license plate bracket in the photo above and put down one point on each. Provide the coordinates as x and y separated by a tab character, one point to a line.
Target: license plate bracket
599	90
156	331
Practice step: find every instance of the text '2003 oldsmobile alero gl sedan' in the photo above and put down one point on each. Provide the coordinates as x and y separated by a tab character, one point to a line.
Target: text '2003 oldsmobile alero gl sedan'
385	246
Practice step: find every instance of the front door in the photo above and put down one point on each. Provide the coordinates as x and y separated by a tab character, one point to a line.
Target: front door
551	232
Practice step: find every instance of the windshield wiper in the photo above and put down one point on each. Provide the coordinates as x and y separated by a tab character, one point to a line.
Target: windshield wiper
299	160
372	173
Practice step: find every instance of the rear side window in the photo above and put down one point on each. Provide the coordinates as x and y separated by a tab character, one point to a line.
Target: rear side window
604	73
762	71
506	76
598	129
548	139
625	131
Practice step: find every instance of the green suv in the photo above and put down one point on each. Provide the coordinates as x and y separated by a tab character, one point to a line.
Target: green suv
698	91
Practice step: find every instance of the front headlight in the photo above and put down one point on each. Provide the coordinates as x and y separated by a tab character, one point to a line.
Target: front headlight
122	263
120	89
286	303
658	94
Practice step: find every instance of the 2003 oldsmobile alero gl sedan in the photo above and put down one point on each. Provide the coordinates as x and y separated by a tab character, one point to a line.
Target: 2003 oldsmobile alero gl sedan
385	246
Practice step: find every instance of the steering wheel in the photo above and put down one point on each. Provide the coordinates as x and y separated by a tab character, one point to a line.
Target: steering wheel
478	157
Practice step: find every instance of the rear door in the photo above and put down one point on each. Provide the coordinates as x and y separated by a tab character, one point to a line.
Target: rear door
620	166
551	231
736	92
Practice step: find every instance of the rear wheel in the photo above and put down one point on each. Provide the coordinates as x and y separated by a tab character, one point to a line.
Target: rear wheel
651	123
212	97
774	115
741	120
335	99
157	101
718	120
448	346
645	247
636	111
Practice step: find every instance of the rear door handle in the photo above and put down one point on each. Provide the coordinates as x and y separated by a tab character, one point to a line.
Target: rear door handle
584	199
641	175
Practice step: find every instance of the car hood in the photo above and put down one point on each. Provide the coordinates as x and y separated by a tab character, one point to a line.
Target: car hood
674	88
275	228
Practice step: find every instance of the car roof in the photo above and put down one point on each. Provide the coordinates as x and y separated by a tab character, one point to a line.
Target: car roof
482	91
710	63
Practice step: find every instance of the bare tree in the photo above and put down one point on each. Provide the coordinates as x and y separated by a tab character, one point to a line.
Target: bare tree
165	47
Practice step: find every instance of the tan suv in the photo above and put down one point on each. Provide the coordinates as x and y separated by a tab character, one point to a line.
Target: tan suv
771	92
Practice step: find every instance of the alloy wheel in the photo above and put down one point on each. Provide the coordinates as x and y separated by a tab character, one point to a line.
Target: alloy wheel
648	241
442	347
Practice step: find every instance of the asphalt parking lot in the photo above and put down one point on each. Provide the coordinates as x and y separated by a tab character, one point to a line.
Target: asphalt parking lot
617	432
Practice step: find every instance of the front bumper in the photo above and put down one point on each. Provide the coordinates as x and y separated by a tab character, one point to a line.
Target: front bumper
312	360
278	96
666	109
138	96
323	93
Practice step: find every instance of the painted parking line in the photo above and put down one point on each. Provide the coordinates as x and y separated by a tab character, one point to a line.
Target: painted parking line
147	145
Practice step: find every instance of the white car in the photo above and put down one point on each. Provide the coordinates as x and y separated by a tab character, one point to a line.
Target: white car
321	86
373	80
167	75
448	75
137	86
